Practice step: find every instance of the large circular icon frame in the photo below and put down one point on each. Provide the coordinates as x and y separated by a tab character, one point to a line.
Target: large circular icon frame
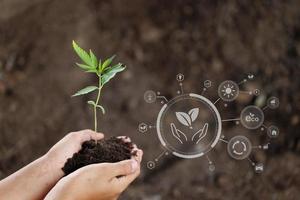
188	149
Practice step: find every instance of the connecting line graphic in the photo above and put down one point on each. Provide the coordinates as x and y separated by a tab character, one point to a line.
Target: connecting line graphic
243	81
246	92
217	100
181	87
151	126
162	97
252	163
161	154
209	160
229	120
263	125
256	147
223	140
203	91
264	108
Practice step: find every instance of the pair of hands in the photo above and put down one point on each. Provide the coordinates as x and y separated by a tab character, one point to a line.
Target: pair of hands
44	178
97	181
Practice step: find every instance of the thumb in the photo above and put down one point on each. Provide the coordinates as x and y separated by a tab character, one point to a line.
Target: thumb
123	168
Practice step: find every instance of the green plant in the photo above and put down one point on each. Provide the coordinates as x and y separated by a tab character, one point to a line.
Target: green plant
104	70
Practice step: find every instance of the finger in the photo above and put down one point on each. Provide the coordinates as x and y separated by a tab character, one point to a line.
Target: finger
123	182
123	168
125	138
88	134
139	155
134	149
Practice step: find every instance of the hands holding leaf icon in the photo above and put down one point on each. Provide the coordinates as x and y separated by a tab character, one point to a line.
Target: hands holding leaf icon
186	119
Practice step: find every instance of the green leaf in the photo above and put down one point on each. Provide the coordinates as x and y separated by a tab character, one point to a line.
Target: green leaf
84	67
97	106
109	68
107	62
94	59
91	103
99	66
82	54
85	90
111	73
91	71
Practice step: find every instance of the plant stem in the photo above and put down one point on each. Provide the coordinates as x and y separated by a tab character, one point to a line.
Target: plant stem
96	103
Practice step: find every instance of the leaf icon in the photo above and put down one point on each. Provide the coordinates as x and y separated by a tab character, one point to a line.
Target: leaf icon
193	113
184	118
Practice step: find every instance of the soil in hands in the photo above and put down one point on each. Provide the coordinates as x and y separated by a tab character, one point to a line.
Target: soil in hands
106	150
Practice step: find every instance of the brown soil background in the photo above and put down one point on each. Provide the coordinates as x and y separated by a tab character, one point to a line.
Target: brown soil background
157	39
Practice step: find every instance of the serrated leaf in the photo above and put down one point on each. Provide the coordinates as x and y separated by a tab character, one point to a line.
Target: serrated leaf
84	67
85	90
82	54
107	69
184	118
107	62
94	59
193	113
111	73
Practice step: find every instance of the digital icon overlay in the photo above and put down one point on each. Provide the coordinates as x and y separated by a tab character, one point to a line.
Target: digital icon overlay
239	147
189	125
228	90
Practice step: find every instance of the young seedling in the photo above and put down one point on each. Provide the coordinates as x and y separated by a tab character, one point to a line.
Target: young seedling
104	71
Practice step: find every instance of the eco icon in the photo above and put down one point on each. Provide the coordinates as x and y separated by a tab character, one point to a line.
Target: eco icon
186	119
251	118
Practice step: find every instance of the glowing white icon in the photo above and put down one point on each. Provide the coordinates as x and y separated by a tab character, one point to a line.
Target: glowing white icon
251	118
186	119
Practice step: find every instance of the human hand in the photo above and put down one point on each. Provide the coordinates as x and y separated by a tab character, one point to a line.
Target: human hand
67	146
105	181
36	179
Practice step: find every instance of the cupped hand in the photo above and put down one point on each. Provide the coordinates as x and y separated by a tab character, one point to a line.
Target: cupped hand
66	147
105	181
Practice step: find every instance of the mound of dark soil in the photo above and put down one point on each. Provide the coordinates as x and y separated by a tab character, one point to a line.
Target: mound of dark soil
106	150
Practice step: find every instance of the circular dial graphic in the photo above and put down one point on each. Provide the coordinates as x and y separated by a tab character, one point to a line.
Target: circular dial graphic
239	147
189	126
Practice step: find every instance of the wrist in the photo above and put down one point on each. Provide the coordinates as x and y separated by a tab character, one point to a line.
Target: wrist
66	189
51	165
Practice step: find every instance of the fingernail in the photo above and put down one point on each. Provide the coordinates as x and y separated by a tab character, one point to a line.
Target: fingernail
134	165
